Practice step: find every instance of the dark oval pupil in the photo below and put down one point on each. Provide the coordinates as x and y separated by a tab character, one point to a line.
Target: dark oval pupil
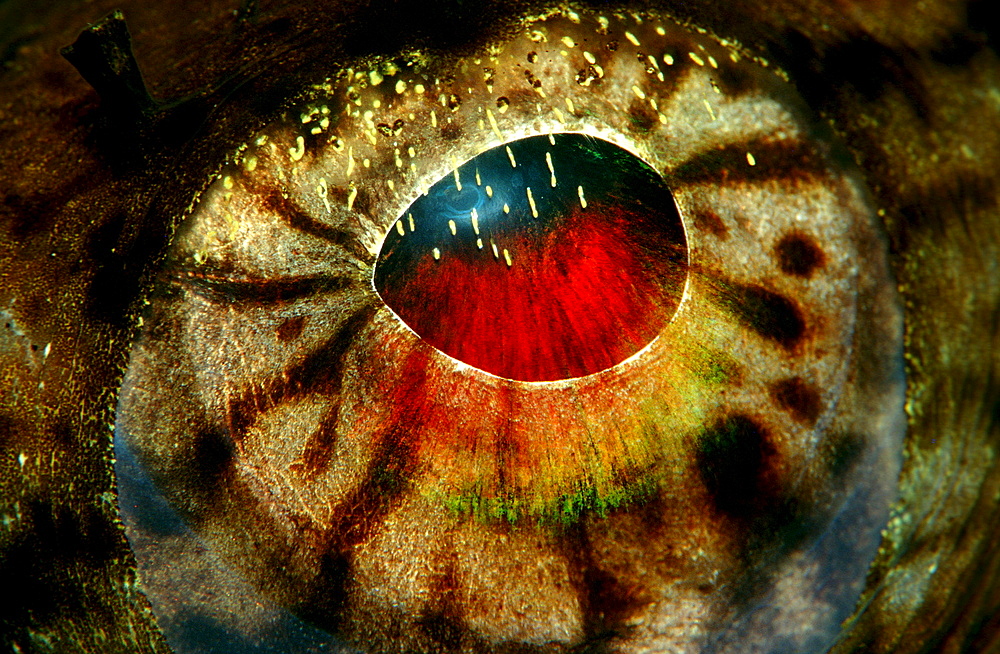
548	258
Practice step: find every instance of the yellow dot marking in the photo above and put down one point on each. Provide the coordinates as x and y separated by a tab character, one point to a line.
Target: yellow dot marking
227	181
434	118
631	37
506	208
506	257
583	200
453	227
531	201
696	59
709	107
568	42
399	228
437	253
410	151
751	160
251	163
351	197
661	31
510	155
458	181
493	124
419	88
570	106
391	184
712	62
479	243
591	59
375	78
559	115
479	180
496	252
350	160
400	86
668	59
409	217
475	220
367	163
638	93
376	103
316	130
489	190
299	149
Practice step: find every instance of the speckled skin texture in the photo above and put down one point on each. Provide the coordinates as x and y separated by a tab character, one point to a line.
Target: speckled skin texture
89	199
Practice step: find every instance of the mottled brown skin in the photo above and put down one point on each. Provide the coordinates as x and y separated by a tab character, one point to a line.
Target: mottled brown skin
88	197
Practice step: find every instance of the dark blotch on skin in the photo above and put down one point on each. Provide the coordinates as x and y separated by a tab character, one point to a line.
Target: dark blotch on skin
797	397
799	255
709	221
773	316
734	458
451	132
841	451
211	461
291	328
785	161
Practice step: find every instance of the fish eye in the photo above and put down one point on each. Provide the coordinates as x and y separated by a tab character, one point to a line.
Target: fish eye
343	423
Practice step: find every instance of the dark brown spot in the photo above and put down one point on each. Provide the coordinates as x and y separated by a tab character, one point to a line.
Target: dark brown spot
291	328
736	460
709	221
798	398
799	255
384	129
734	81
454	101
397	126
771	315
451	132
532	57
642	118
612	45
503	102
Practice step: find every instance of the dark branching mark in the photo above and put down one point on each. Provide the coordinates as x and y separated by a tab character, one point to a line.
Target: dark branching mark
799	255
295	217
735	458
771	315
607	602
257	291
321	371
787	161
799	398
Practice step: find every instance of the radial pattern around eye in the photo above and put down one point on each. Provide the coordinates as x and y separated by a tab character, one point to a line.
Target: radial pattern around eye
548	258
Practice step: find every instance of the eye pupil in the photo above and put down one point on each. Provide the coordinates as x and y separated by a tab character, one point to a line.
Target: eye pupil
551	257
